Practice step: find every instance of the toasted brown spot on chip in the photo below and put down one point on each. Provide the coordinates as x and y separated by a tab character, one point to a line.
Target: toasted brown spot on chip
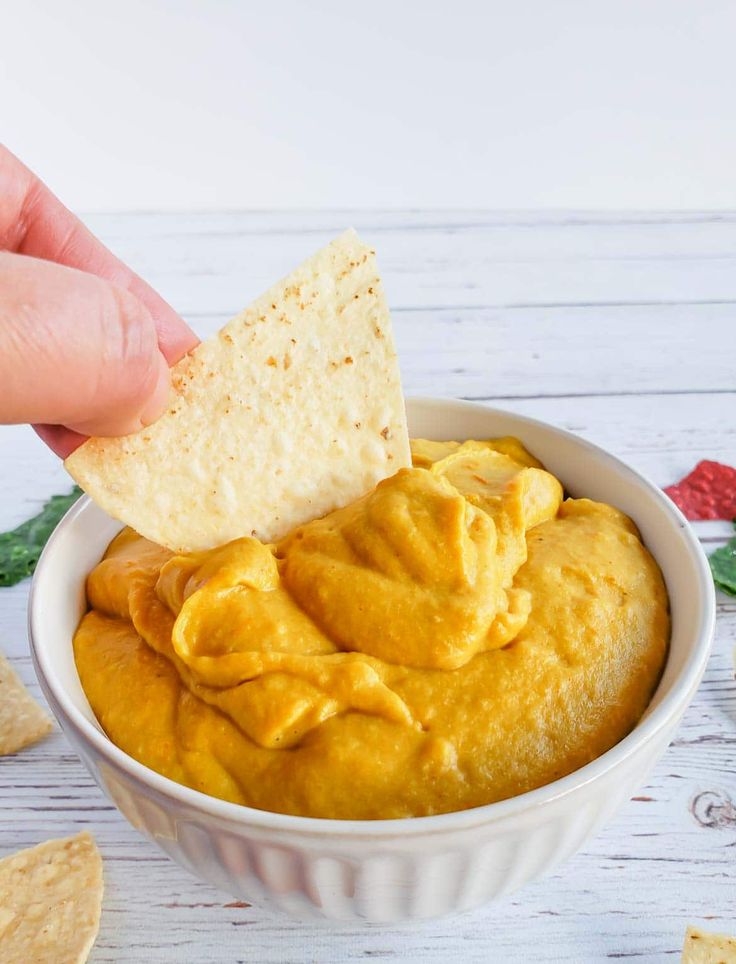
704	947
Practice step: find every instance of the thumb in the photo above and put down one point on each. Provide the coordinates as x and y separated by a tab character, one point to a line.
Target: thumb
77	351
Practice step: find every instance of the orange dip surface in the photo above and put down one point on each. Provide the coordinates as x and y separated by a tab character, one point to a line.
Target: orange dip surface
457	636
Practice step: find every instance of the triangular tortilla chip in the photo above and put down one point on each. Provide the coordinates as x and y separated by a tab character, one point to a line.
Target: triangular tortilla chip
293	409
22	721
50	902
704	948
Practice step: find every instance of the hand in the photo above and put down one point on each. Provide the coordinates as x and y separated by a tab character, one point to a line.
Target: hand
85	344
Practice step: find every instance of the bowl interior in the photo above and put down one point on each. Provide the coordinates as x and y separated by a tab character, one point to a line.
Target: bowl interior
588	471
58	601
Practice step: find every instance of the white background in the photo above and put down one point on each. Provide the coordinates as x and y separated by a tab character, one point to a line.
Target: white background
156	104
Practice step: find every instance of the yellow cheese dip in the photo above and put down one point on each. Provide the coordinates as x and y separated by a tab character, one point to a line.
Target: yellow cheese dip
457	636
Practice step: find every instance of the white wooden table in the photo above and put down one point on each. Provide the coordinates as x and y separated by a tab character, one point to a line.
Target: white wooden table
621	328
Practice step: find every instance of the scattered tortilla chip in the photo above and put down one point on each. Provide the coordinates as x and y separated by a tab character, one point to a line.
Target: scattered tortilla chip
704	948
50	902
708	492
22	721
723	566
293	409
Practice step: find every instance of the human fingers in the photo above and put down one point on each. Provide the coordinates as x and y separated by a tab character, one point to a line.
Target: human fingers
76	351
59	439
34	222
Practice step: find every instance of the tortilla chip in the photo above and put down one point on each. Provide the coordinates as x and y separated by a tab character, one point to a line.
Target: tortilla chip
293	409
704	948
50	901
22	721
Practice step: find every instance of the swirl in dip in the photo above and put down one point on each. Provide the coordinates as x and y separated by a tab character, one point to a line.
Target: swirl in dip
457	636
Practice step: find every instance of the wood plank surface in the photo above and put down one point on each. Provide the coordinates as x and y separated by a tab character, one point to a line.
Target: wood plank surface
619	327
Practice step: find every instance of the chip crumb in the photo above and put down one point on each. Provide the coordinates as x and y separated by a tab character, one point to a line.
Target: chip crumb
271	361
348	360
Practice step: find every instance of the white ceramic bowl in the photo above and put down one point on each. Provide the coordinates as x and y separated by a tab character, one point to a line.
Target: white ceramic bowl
389	870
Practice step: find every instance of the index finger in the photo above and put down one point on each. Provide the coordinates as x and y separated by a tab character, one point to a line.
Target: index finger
33	221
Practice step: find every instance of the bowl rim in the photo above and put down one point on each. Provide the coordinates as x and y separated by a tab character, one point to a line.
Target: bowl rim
674	702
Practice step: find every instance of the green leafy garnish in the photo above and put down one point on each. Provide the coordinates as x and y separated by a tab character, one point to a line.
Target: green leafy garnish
21	548
723	566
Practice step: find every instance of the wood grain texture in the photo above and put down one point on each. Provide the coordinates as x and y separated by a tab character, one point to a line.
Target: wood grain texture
619	327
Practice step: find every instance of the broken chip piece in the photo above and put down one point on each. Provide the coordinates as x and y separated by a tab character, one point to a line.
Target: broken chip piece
702	947
50	901
22	720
